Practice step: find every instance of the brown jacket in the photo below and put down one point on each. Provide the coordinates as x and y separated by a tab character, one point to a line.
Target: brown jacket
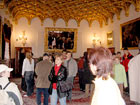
42	71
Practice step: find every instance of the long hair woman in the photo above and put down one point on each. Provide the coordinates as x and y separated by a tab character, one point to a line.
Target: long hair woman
28	73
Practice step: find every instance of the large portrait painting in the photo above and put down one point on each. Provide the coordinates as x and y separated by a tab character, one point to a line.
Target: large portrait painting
130	34
0	37
58	39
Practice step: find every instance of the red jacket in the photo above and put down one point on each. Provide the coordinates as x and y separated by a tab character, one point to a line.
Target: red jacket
126	60
81	63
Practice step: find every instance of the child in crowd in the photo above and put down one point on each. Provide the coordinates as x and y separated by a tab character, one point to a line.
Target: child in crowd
113	56
119	74
119	55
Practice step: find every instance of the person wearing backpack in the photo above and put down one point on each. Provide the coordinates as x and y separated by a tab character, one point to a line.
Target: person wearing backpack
9	92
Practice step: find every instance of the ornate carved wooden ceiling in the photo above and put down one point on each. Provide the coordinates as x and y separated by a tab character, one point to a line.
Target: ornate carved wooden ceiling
100	10
1	4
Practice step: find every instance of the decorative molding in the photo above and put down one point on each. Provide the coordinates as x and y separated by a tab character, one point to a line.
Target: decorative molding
1	4
90	10
137	5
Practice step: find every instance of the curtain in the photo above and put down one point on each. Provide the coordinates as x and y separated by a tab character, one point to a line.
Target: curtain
7	51
6	36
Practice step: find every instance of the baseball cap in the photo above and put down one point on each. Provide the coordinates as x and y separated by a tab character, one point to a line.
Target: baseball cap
4	68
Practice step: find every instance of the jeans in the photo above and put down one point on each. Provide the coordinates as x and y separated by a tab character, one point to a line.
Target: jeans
29	78
54	98
23	84
38	95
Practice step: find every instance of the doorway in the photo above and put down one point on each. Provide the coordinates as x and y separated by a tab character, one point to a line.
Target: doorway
19	57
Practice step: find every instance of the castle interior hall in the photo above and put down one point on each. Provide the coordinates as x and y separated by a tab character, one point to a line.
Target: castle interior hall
50	27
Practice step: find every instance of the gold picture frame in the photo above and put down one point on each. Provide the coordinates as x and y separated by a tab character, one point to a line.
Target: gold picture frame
129	36
110	39
58	39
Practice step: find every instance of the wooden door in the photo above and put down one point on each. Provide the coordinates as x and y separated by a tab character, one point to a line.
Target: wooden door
19	57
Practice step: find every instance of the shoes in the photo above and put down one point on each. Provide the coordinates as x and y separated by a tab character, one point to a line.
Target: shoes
69	101
23	91
86	95
126	93
82	90
25	95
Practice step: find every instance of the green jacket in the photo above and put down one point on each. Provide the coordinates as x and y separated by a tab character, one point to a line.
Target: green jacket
119	74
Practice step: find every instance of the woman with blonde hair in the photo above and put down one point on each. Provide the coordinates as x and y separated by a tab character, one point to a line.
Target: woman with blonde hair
28	73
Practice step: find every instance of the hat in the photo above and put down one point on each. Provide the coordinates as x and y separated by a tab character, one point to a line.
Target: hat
45	54
4	68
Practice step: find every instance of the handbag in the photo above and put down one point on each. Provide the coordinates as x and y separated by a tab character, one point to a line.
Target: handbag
65	86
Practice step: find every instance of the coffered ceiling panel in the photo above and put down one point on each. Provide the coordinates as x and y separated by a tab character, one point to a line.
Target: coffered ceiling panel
100	10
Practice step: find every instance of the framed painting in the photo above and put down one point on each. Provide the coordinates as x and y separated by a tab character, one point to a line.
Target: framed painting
130	34
58	39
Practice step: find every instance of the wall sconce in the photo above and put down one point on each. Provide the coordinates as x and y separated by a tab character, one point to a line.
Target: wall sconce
96	40
22	38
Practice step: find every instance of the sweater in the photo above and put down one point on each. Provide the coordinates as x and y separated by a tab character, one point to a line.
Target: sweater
71	66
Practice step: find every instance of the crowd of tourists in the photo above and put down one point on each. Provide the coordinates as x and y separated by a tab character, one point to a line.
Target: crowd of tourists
103	76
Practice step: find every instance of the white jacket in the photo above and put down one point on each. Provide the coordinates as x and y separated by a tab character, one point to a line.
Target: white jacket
106	93
134	78
12	87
